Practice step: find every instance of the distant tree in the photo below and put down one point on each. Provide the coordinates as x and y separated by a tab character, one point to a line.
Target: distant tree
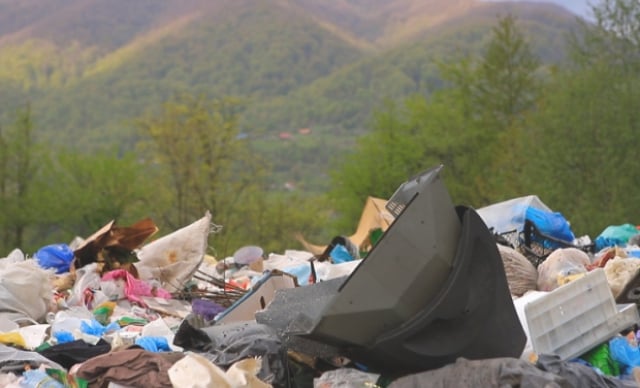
466	126
507	84
497	92
583	141
197	161
613	39
17	171
85	191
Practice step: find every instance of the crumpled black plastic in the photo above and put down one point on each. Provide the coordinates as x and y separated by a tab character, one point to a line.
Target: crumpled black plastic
223	345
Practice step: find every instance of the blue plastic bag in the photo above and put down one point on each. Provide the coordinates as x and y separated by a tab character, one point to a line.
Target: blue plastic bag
623	352
615	235
301	272
552	224
95	328
340	254
62	337
39	378
153	344
56	256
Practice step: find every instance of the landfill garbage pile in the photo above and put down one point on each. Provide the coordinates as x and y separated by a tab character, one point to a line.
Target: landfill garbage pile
425	293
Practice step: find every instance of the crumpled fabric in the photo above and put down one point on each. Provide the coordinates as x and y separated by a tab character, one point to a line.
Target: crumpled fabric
578	375
75	352
496	372
130	367
522	276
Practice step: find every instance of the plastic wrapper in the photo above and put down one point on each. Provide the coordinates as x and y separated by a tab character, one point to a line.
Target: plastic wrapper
39	378
600	357
345	378
136	288
15	360
522	276
561	265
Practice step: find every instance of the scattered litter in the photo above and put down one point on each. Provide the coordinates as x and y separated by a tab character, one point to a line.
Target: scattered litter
424	293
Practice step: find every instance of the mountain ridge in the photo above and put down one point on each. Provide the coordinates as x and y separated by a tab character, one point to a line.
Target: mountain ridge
295	68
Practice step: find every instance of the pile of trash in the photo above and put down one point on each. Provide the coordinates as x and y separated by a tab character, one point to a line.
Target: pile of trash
425	293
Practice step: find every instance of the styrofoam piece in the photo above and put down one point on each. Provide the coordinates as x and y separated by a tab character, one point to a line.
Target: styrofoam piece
576	317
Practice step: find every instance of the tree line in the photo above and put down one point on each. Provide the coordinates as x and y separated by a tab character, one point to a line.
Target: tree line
503	124
507	126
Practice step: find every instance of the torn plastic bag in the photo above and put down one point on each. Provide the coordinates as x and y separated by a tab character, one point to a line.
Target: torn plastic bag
174	258
134	288
14	360
25	290
615	235
551	224
509	215
56	256
15	256
226	344
560	267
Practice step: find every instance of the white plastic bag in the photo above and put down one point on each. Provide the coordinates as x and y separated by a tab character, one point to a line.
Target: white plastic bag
26	291
174	258
561	265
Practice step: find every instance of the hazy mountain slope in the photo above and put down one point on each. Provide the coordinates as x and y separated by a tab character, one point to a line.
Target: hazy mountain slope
250	49
90	23
52	43
344	100
384	23
296	63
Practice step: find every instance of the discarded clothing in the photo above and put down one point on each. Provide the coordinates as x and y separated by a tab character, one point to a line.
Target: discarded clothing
75	352
130	367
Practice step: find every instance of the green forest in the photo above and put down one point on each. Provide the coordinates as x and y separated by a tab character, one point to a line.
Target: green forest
511	105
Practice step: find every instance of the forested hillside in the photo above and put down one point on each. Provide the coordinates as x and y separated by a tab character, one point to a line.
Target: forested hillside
298	80
90	67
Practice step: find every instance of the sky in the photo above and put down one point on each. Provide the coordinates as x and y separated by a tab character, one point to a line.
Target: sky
579	7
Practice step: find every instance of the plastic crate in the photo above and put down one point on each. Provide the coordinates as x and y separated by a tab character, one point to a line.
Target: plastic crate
576	317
